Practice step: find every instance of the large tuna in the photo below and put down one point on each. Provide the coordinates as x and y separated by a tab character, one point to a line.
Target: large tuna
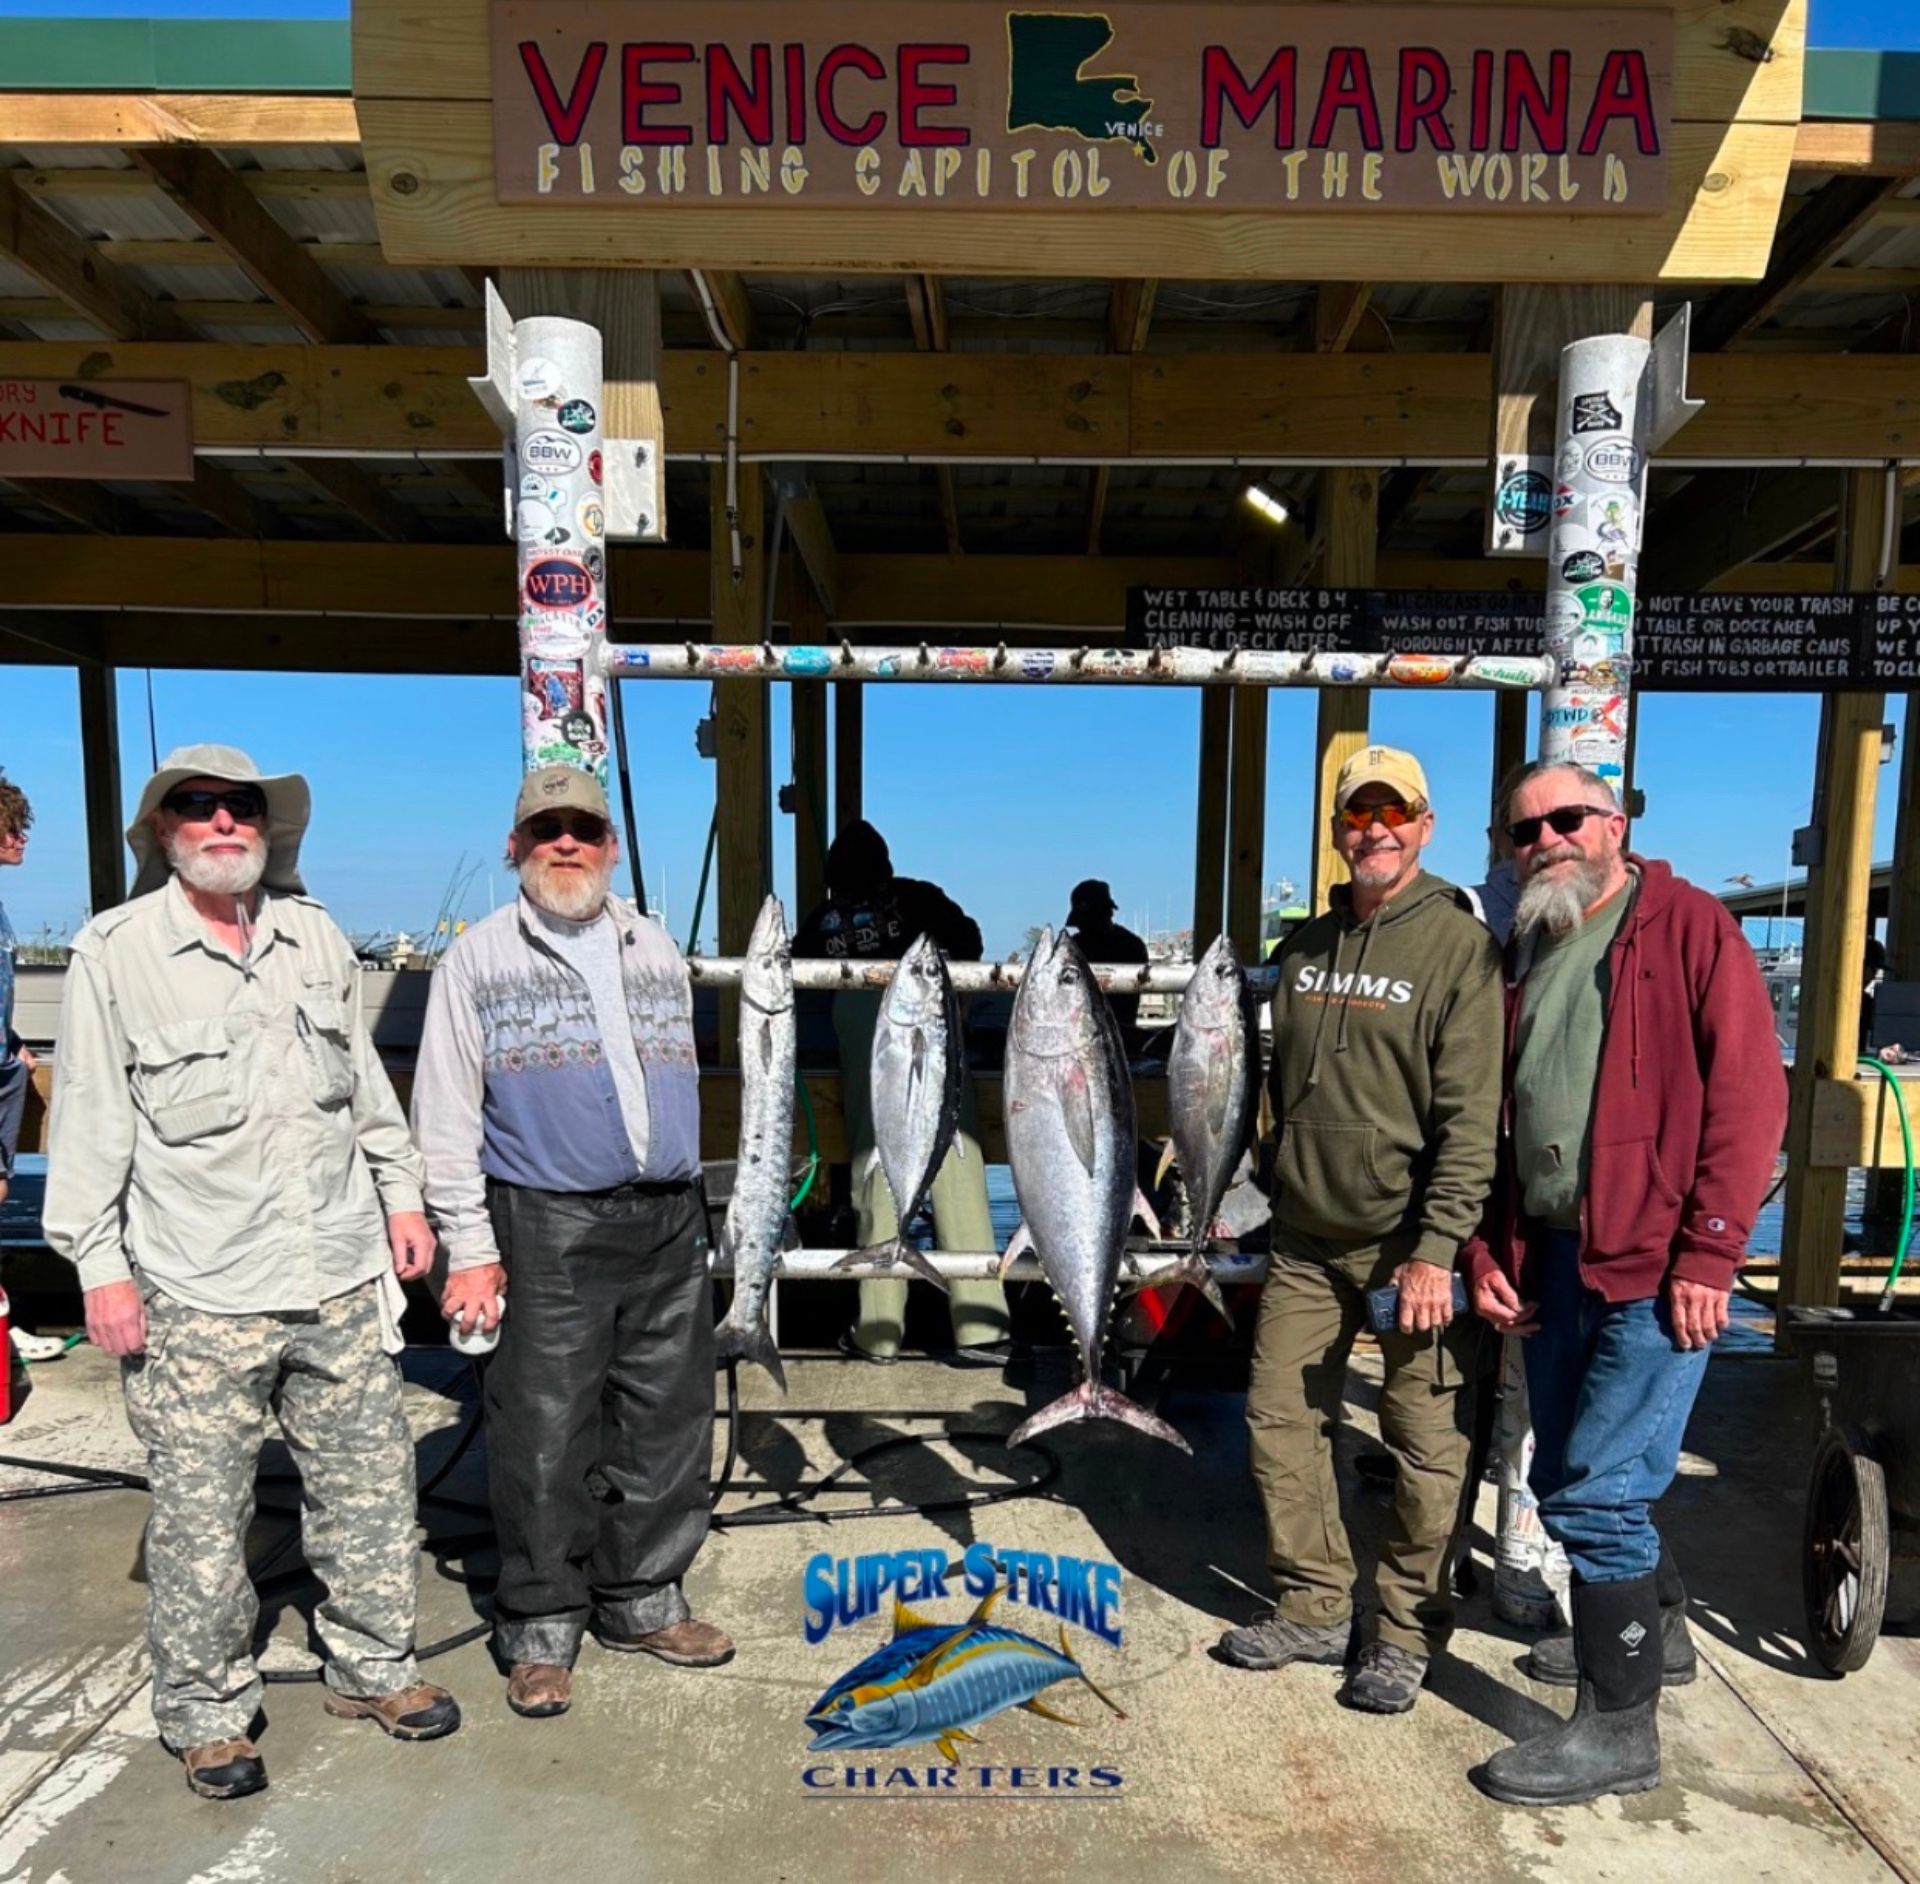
756	1223
917	1068
1070	1140
1211	1093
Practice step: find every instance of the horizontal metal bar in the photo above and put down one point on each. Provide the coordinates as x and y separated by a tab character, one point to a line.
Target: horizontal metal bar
1178	667
814	1265
723	971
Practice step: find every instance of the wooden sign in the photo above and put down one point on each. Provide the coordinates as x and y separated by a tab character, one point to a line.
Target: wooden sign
1222	107
133	429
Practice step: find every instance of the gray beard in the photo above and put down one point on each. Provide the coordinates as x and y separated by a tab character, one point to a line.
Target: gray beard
219	876
1559	901
572	897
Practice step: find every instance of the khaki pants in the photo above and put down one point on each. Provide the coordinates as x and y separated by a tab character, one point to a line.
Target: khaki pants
1310	1312
961	1219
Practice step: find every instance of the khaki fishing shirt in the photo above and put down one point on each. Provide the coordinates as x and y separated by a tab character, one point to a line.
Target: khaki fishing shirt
223	1126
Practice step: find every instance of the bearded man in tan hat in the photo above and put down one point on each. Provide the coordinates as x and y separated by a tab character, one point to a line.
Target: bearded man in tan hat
231	1174
558	1106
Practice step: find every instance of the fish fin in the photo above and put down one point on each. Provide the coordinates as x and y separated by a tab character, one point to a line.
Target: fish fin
906	1619
984	1608
917	1261
917	1069
766	1045
949	1750
1145	1212
1195	1272
1165	1165
1090	1402
928	1665
1047	1713
1219	1086
1020	1243
1067	1651
1076	1110
733	1342
887	1254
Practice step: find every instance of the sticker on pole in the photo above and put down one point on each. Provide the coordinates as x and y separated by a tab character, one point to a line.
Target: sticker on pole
1606	606
558	583
553	453
1615	461
1595	412
1524	502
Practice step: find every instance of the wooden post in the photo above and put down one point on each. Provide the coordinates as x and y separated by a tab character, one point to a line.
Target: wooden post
100	767
1836	926
1210	821
809	708
1350	520
743	865
849	752
1247	820
1509	749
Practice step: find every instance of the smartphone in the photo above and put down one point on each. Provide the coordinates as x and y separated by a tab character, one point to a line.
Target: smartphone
1383	1305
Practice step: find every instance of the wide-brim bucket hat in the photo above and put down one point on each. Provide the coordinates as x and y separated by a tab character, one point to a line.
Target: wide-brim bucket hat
289	809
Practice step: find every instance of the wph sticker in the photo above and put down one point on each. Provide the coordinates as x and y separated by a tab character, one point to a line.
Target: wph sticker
938	1678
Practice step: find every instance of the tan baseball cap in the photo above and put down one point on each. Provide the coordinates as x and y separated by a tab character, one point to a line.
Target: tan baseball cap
1382	765
559	788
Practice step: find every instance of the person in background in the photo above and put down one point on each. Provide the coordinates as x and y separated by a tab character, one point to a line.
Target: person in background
1494	899
1645	1105
1385	1090
16	1063
1090	919
558	1108
231	1174
873	915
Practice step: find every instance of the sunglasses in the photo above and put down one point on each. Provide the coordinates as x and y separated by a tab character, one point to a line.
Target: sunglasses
1364	818
1525	832
583	826
243	804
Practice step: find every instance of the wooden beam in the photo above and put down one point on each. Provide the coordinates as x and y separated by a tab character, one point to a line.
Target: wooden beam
91	506
113	120
1349	520
33	238
1880	148
1097	490
1725	519
100	773
1338	308
1247	820
309	186
743	863
1130	314
1816	233
1210	815
1082	408
849	753
949	509
218	494
807	707
927	311
732	307
209	194
813	537
179	252
1836	927
359	494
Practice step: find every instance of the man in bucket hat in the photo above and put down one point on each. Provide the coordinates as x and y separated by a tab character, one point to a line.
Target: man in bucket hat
231	1174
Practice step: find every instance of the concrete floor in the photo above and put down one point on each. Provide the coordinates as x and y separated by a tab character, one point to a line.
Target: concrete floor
1773	1772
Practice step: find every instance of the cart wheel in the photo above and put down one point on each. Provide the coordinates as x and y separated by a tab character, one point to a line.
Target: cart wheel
1844	1565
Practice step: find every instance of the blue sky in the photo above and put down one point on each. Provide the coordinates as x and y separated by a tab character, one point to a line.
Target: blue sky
1006	796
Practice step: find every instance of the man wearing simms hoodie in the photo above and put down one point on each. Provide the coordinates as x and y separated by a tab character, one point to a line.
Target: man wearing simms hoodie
1386	1089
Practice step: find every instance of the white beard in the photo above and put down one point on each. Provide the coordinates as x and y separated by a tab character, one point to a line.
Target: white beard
572	895
221	875
1559	900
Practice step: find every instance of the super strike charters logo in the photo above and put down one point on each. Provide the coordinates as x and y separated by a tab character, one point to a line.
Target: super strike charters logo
937	1678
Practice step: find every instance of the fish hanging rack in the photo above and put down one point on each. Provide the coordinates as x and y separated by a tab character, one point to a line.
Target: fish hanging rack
1074	666
1148	1266
724	971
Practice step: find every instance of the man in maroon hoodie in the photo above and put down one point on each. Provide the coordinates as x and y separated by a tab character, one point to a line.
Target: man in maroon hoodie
1645	1104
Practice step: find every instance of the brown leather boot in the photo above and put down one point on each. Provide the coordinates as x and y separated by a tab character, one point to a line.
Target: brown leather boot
224	1769
539	1690
422	1712
687	1644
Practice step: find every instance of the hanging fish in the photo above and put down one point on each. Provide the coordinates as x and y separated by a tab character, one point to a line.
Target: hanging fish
757	1212
1070	1140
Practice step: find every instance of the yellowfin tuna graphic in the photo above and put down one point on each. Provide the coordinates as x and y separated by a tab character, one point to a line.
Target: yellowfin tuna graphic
935	1680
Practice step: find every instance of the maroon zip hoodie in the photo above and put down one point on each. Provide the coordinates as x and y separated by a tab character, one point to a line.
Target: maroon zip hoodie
1688	1114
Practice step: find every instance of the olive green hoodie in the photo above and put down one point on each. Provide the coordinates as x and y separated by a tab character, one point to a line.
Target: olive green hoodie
1386	1071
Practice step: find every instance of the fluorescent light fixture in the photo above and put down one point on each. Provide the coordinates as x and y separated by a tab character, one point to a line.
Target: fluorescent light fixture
1274	509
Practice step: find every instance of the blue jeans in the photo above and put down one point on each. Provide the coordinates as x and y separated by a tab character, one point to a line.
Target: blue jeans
1611	1396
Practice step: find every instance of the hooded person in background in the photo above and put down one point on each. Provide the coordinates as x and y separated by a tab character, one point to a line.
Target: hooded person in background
231	1174
1090	919
1385	1090
872	915
16	1063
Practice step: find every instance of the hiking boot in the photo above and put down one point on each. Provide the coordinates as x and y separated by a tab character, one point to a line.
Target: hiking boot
1612	1743
422	1712
1552	1660
982	1354
854	1351
686	1644
1272	1641
539	1690
223	1769
1387	1680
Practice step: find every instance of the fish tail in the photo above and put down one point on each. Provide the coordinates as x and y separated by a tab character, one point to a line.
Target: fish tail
1195	1271
1090	1401
738	1341
1099	1694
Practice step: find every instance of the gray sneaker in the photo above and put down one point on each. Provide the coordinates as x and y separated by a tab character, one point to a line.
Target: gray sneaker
1387	1680
1272	1641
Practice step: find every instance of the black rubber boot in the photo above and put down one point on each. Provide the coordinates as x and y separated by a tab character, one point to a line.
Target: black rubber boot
1551	1659
1612	1743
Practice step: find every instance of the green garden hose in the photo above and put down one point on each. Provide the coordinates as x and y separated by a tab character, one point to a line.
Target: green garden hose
1906	1211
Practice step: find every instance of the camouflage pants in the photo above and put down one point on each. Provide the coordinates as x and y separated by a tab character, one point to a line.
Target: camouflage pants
199	1400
